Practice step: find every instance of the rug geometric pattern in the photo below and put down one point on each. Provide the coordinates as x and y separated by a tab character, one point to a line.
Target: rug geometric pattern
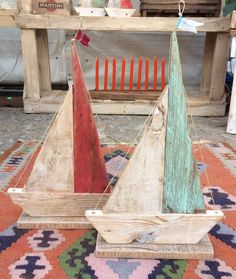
60	254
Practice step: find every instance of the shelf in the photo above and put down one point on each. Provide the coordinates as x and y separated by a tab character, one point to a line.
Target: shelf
7	18
131	24
50	103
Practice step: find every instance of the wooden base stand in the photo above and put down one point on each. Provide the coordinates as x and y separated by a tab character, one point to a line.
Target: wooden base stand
28	222
200	105
136	250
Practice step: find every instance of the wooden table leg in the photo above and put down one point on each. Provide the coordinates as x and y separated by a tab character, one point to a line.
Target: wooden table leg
214	65
219	66
36	57
207	62
43	60
31	64
36	62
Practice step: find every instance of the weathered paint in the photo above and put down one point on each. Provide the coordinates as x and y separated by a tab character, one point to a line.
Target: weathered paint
182	190
89	169
98	3
140	186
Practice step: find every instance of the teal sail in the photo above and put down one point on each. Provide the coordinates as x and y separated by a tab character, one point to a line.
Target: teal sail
182	190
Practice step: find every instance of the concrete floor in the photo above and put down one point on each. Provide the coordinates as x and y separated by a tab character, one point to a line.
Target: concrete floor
15	124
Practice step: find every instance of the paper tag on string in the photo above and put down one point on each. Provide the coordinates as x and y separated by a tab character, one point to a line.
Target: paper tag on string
188	25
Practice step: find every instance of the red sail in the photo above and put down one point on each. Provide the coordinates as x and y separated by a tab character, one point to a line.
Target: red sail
89	169
126	4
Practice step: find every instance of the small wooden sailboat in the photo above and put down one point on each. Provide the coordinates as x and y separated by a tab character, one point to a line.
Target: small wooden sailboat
158	197
69	173
120	8
91	8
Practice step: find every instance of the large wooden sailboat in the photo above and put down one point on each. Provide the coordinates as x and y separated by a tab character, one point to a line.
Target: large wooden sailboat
158	197
69	174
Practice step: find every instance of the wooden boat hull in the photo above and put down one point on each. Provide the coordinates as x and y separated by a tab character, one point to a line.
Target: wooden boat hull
90	11
118	12
153	228
55	204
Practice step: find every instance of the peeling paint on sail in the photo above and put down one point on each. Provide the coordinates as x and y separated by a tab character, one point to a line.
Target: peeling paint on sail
182	190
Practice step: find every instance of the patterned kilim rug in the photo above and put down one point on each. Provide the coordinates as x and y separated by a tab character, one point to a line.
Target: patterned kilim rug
70	253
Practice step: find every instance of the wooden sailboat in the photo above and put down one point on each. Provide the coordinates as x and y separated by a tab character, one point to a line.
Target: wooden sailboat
158	197
91	8
120	8
69	173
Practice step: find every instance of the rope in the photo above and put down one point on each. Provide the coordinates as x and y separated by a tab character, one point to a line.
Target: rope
181	11
101	55
99	123
13	67
5	193
199	148
42	139
146	123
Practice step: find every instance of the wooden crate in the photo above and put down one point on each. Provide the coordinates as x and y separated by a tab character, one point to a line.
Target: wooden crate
57	7
208	8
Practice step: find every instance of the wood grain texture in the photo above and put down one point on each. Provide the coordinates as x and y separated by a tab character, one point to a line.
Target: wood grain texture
133	24
197	105
31	64
69	223
209	47
219	66
140	186
43	60
233	32
124	95
24	6
55	204
163	228
182	190
7	18
89	167
188	2
135	250
189	7
53	170
233	20
50	102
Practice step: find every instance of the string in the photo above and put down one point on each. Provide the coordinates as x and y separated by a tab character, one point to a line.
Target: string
100	54
12	68
99	123
181	11
199	147
187	44
146	123
37	146
5	193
